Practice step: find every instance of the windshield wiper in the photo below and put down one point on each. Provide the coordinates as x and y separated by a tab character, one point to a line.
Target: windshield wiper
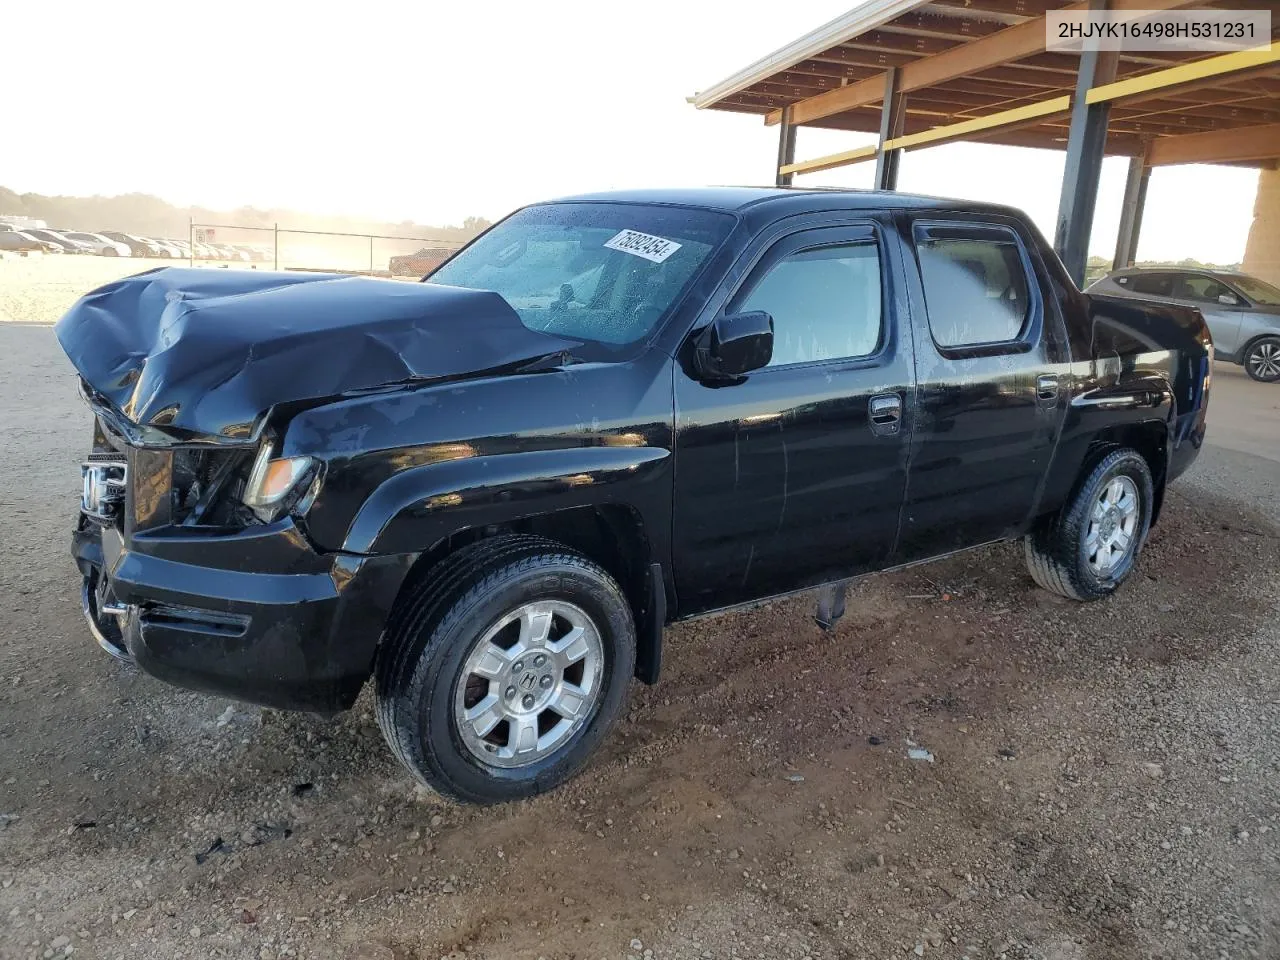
550	361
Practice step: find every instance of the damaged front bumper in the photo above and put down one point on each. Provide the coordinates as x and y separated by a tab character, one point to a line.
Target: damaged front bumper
255	614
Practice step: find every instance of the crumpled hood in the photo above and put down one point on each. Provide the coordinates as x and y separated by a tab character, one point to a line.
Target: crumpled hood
211	351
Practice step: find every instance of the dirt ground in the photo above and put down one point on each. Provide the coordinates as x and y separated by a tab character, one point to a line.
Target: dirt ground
1103	783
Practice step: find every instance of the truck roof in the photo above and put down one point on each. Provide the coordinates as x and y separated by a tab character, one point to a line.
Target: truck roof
787	199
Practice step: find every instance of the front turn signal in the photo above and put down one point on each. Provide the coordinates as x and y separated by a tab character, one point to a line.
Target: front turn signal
272	479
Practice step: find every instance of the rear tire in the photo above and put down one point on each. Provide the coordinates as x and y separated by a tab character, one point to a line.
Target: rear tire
1262	360
501	674
1086	550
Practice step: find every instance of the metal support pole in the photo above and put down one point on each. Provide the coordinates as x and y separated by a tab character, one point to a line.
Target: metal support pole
276	245
1086	145
1135	198
191	247
892	116
371	256
786	147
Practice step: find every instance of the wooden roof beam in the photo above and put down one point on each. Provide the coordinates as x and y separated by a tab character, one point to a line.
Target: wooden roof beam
1040	138
1234	145
1198	71
830	161
958	131
1021	8
929	24
1217	116
1011	43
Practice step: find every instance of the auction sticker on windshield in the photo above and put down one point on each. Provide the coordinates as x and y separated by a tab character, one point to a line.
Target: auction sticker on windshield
642	245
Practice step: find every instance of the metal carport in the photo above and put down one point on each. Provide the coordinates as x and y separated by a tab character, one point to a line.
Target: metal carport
921	73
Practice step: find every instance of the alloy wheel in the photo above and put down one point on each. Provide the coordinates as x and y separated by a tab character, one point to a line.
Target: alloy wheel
1264	361
1113	525
529	683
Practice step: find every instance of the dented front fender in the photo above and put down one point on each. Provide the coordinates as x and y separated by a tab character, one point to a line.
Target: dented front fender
417	508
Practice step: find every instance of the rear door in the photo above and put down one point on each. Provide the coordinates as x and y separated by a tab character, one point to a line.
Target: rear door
992	364
795	475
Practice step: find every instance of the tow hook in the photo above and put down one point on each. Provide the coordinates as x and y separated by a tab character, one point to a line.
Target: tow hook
110	637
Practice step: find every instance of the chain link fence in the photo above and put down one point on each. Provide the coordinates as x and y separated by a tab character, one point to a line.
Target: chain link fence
284	248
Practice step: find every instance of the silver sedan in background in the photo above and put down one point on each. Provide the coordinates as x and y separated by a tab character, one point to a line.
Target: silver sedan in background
1243	312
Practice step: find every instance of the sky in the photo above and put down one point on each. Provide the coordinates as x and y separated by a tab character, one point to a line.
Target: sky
433	112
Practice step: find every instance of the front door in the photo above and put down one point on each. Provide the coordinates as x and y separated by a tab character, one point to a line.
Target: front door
1219	304
795	475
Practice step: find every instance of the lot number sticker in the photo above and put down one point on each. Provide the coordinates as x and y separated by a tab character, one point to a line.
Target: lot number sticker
643	245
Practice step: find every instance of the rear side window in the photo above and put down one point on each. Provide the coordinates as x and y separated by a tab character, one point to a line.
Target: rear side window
1205	289
975	288
1153	284
825	303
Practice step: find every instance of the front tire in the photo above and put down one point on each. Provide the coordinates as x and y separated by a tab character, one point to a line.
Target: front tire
1262	360
1092	544
504	670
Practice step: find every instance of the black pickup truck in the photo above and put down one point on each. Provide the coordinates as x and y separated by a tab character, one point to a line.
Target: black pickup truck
490	491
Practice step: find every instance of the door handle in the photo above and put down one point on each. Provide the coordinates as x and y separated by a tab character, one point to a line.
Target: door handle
1047	388
884	414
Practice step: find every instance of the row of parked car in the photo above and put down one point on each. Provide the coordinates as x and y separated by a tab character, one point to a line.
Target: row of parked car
113	243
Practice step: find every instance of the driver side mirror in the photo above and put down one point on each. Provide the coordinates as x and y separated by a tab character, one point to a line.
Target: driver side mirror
734	344
1230	299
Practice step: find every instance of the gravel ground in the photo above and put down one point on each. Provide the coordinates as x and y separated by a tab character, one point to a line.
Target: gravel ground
39	289
1245	419
1103	781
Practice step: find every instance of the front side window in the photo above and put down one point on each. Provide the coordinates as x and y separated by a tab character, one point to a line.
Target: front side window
825	303
600	272
1257	291
975	290
1204	289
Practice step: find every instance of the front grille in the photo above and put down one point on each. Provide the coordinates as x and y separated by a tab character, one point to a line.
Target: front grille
193	472
103	485
177	485
106	441
207	485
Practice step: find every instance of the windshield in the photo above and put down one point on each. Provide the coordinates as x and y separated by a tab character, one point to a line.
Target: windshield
602	272
1257	291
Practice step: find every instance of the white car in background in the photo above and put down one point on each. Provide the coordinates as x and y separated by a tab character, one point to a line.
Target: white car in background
167	249
103	246
66	243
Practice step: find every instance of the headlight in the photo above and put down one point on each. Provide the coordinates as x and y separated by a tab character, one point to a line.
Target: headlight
274	482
